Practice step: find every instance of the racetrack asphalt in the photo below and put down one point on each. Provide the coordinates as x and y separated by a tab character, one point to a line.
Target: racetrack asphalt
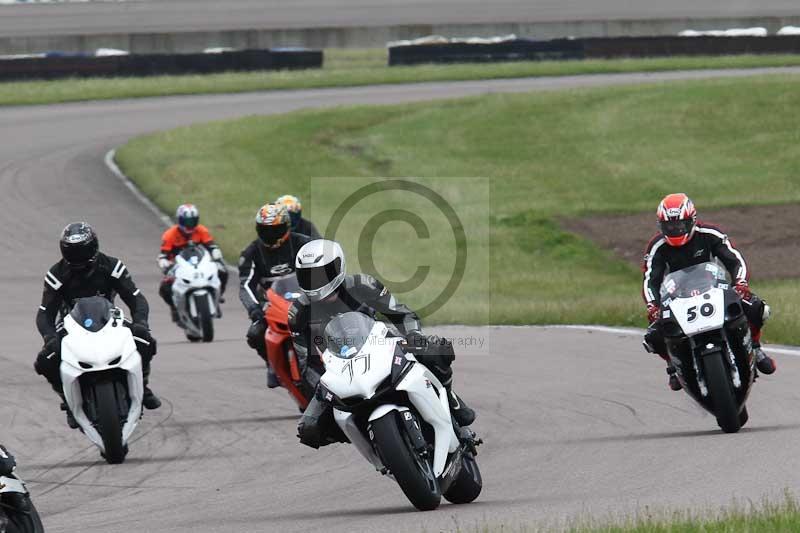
575	421
213	15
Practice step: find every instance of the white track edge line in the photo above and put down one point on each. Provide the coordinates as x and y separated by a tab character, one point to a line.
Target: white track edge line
783	350
111	163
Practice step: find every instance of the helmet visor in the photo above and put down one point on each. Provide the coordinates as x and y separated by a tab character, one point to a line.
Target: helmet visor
314	278
270	235
188	223
78	255
676	228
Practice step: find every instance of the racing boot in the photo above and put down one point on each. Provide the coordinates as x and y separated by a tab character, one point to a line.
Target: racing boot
272	379
71	422
674	382
764	363
462	413
149	399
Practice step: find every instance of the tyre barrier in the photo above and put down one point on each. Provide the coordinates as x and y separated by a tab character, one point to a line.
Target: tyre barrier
591	48
52	66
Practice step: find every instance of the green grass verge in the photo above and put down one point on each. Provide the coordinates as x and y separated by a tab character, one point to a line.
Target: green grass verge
780	517
350	68
542	156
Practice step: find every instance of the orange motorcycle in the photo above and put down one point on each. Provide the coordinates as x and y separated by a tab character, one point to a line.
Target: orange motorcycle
281	355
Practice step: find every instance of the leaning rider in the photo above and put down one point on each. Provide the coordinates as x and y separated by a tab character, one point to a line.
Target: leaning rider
175	239
268	257
328	291
82	272
684	242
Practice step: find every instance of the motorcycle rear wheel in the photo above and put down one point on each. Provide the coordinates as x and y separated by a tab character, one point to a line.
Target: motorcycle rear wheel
721	391
412	472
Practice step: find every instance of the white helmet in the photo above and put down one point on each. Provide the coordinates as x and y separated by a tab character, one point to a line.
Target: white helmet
320	268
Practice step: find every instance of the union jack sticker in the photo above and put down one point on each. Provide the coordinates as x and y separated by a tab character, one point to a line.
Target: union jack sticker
398	360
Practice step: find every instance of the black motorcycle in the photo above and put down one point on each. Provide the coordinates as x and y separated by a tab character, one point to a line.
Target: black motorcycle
708	339
17	512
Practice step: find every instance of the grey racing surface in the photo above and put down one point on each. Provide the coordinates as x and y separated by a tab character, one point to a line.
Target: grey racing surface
574	421
208	15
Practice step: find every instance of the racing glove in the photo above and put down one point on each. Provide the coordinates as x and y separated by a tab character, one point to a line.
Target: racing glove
257	315
7	462
140	330
416	341
653	312
742	288
164	264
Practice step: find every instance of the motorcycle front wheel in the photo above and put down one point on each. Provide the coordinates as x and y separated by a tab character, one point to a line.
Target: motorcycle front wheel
721	391
412	472
108	422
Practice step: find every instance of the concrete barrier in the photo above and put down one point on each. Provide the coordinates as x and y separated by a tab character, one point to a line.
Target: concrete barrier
591	48
62	66
371	36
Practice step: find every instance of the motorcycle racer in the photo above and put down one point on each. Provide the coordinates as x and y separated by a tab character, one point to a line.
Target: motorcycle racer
328	291
269	256
683	242
187	229
84	271
299	224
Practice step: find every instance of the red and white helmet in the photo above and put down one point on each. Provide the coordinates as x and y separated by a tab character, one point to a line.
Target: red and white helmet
677	219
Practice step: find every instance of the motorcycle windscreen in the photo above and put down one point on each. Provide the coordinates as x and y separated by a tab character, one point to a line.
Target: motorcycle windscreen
694	280
193	254
286	286
92	314
347	333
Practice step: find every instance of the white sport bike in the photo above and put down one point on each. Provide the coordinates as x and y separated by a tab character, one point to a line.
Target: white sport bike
195	292
101	372
396	413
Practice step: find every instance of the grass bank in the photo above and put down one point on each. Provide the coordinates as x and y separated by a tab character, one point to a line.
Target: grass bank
534	158
780	517
350	68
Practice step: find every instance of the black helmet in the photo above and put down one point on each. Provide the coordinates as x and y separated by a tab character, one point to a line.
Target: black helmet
79	245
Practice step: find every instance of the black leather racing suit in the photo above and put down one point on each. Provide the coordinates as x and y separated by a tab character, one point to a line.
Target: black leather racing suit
306	227
707	244
258	267
107	277
307	321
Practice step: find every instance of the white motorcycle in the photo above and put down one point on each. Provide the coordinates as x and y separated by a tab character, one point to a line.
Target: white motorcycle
396	413
17	512
101	372
196	292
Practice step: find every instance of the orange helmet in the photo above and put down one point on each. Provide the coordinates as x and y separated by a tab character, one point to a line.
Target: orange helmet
272	225
677	219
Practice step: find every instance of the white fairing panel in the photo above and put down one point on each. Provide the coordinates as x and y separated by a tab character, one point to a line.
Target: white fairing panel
360	375
698	314
100	349
12	484
429	397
